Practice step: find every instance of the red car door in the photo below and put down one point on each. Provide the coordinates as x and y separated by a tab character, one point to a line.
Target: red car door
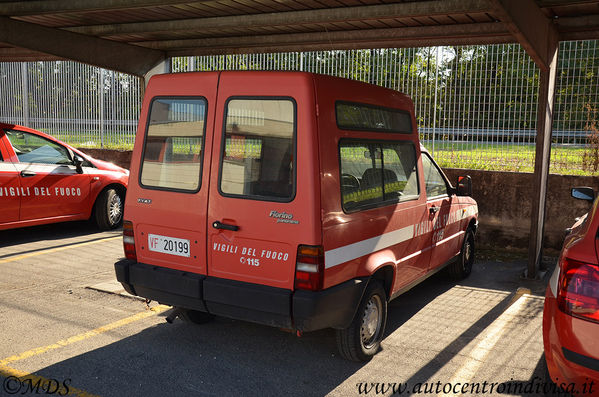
51	185
446	236
9	185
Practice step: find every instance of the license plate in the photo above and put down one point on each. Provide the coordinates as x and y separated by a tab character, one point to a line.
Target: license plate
168	245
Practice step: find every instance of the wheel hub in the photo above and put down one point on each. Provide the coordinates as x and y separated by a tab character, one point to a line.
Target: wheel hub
467	252
114	209
371	322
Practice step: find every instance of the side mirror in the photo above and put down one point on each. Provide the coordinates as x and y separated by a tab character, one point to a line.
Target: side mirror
464	186
584	193
77	162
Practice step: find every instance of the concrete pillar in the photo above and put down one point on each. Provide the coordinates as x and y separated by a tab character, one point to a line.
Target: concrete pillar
542	157
163	67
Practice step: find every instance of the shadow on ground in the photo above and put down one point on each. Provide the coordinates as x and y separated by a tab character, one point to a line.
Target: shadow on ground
228	357
77	232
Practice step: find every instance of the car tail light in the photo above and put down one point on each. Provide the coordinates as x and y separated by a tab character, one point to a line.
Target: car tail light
578	292
309	267
129	240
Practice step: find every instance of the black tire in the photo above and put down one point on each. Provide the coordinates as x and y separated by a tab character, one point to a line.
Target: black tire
362	339
462	267
108	209
195	316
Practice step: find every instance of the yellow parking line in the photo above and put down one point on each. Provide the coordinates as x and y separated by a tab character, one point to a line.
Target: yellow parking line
51	250
86	335
21	382
519	292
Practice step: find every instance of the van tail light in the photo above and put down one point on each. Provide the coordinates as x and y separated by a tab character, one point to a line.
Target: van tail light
129	241
309	267
578	289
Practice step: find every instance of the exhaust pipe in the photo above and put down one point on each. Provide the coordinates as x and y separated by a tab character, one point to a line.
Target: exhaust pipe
172	315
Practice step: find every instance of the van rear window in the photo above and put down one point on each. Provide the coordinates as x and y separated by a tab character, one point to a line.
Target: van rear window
172	157
258	160
361	117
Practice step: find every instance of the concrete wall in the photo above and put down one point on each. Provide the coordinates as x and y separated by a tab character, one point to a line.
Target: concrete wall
122	158
504	202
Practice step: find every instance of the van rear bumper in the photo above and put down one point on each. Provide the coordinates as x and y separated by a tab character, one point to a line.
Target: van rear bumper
334	307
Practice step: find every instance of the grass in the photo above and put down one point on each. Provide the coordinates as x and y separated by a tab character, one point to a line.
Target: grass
566	160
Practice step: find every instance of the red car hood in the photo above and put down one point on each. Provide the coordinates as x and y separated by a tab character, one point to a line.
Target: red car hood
106	166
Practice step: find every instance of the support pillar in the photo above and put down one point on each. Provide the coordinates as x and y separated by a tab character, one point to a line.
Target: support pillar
542	156
163	67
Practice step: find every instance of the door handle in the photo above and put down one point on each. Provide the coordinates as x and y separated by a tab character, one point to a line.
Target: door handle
26	174
434	210
220	225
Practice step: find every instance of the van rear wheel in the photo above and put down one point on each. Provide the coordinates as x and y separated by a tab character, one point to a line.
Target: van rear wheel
362	339
462	267
195	316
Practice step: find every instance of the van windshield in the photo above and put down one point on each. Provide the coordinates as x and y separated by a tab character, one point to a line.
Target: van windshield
259	150
172	157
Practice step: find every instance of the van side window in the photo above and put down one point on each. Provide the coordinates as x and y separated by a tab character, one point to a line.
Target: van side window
362	117
377	173
433	180
258	158
172	156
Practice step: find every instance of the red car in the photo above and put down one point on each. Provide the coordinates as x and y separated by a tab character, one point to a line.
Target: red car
571	314
43	180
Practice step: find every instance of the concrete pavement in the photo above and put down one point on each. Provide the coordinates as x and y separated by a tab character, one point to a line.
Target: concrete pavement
482	331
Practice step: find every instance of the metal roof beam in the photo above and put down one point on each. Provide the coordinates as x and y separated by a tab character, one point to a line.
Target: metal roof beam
24	55
290	18
108	54
492	33
533	30
329	40
40	7
579	28
350	45
561	3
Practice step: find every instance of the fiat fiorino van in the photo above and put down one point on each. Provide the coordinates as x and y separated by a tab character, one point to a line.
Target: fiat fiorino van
291	199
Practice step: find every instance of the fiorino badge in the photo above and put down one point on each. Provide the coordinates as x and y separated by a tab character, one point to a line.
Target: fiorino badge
283	217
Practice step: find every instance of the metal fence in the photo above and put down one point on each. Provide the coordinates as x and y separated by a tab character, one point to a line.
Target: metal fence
476	106
77	103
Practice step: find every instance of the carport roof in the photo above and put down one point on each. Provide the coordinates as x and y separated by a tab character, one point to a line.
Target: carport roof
134	35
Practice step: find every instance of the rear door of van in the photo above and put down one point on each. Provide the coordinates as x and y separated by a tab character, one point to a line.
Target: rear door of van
264	197
169	198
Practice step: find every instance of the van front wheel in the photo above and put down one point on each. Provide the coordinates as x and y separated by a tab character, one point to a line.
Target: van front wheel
462	267
362	339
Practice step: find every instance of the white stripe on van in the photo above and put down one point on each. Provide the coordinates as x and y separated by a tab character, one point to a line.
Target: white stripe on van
349	252
356	250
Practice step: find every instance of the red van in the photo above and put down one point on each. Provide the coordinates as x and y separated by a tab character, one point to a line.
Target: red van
291	199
